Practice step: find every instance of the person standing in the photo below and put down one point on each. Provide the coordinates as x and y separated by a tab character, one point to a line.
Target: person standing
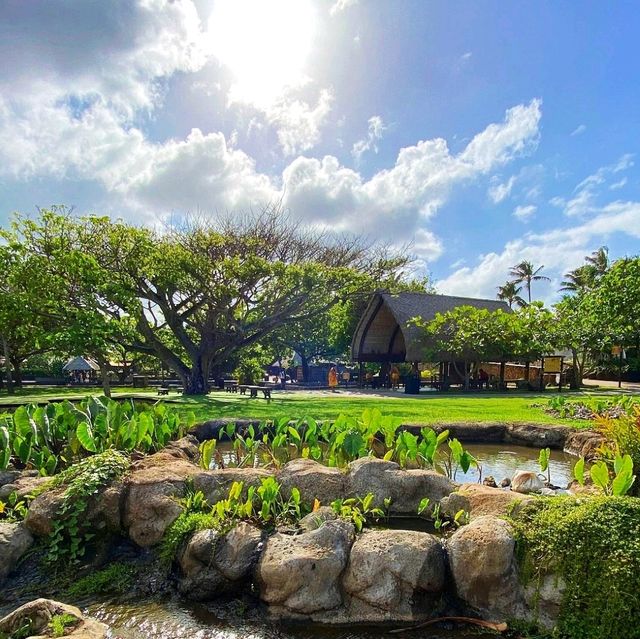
333	378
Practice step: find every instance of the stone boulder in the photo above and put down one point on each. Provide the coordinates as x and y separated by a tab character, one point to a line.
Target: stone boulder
103	512
38	615
394	575
405	488
526	482
299	575
23	485
313	480
314	520
212	564
15	540
479	500
151	497
583	443
484	569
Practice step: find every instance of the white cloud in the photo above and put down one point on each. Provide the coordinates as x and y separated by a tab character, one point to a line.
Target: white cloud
524	213
618	185
559	250
202	171
466	56
500	191
297	124
370	143
340	5
586	192
579	130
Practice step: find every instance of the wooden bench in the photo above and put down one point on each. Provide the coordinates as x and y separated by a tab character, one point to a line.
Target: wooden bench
253	390
163	390
231	385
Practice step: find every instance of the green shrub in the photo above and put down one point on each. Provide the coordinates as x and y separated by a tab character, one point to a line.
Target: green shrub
60	623
594	545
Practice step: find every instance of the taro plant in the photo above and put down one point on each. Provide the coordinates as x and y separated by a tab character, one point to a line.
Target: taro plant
14	508
360	511
442	521
543	462
54	436
617	485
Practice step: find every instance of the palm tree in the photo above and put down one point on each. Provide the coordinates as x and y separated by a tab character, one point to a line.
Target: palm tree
586	277
510	293
526	273
599	260
580	279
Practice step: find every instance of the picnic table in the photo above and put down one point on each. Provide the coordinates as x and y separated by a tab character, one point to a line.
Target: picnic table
231	385
253	390
165	390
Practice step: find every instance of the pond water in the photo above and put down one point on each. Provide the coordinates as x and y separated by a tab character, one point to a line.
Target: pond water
175	619
503	460
497	460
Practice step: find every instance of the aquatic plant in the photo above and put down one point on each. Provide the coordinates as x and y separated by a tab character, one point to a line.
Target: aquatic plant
359	510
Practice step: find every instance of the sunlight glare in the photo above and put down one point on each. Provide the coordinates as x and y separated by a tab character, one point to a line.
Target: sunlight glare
264	43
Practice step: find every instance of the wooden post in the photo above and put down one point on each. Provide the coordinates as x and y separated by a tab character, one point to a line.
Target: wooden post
503	367
361	373
560	378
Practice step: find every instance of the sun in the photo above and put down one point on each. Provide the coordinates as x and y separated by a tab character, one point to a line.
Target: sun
264	43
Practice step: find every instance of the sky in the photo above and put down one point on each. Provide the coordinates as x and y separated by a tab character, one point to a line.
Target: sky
477	134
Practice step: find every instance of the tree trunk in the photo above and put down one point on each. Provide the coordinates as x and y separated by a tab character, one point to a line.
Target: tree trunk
304	362
17	372
576	373
7	366
503	367
195	382
104	374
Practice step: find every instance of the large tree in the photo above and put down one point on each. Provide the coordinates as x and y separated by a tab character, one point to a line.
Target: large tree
198	293
509	292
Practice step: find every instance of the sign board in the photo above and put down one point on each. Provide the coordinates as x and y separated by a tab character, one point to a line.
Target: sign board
553	364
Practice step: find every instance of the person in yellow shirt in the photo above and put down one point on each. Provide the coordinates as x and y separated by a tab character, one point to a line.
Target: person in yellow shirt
333	378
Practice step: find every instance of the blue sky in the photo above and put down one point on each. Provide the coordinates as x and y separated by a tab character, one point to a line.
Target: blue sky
481	133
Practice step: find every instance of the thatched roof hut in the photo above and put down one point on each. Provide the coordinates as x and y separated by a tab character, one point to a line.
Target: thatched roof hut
383	335
80	364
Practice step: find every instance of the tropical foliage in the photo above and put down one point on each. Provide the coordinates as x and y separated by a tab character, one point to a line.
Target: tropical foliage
51	437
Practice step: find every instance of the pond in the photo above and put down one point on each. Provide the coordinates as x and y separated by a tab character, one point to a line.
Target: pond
175	619
503	460
497	460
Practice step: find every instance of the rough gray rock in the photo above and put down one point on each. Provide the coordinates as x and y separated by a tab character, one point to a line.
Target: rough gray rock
23	485
152	492
314	520
15	540
313	480
478	500
483	565
212	564
544	600
39	613
405	488
300	575
394	575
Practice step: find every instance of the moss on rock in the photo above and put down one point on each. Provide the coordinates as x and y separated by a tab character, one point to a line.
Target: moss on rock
593	545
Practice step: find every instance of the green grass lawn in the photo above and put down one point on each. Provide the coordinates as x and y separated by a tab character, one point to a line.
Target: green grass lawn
427	409
510	407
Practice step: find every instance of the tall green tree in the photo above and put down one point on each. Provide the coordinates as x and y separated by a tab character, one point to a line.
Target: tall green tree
587	276
196	294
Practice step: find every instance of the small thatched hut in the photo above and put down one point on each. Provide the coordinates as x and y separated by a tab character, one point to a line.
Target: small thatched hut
384	335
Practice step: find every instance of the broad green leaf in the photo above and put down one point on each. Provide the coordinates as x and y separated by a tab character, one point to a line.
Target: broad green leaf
85	437
578	471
